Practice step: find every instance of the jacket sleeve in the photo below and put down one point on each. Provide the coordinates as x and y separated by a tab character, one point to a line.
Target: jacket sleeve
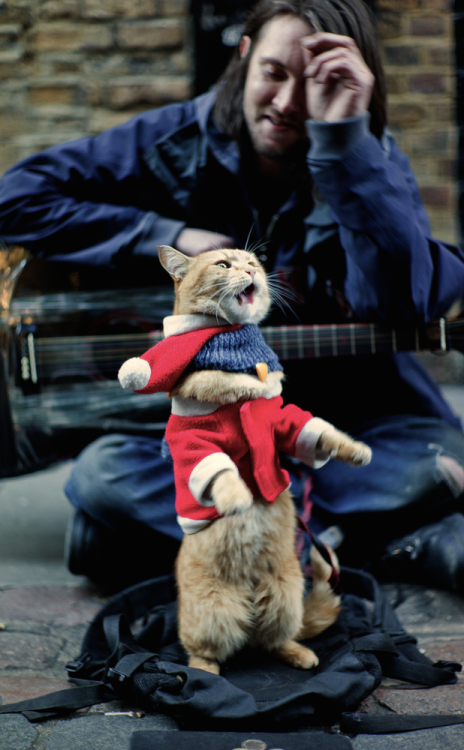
396	272
94	199
297	432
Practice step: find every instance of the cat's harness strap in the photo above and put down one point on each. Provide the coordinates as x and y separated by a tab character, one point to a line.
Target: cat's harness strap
334	580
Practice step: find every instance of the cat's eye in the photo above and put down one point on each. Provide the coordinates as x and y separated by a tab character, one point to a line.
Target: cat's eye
223	264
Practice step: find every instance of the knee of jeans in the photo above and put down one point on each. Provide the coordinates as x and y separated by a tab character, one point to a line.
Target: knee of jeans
451	472
87	486
102	455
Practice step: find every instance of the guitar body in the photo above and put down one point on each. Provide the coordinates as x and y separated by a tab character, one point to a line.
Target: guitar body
64	332
64	335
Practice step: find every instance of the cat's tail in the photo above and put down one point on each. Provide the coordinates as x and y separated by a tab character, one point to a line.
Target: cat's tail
322	606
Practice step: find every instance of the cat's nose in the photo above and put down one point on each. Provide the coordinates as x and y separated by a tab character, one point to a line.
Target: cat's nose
251	271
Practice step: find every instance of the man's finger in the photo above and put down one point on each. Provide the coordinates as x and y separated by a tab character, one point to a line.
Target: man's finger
320	41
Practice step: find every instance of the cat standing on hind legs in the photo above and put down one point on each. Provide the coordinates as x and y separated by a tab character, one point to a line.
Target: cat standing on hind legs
238	575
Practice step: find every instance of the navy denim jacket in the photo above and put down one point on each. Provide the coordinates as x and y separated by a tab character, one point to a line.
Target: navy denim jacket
357	246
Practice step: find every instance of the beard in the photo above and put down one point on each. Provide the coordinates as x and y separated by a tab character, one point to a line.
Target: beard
290	154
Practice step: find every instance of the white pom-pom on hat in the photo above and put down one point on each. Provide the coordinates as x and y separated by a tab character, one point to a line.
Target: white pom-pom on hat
134	374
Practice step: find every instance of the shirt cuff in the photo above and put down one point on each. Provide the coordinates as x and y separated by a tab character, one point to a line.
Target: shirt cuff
204	472
330	141
158	230
306	443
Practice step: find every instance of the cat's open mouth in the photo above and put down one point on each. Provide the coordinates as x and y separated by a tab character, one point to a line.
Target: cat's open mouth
245	297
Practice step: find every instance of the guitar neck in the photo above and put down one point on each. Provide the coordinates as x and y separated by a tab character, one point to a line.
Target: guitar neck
289	342
352	339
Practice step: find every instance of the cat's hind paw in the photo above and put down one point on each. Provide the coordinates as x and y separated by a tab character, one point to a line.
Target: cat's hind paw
207	665
296	655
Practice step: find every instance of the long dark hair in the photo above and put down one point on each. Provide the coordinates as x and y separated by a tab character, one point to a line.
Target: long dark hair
347	17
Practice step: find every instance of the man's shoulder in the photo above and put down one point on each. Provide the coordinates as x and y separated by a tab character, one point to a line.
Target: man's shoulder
172	118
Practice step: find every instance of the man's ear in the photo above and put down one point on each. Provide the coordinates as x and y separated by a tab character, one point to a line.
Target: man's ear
245	44
174	262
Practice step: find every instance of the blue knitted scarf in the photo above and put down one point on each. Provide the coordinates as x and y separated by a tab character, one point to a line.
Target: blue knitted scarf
236	351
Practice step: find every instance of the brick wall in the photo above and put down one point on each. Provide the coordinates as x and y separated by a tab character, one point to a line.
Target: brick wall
75	67
418	51
459	36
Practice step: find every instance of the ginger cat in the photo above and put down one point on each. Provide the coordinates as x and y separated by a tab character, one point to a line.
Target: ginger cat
239	579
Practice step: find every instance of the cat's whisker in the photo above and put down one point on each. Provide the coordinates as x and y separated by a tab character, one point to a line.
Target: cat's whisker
281	296
213	291
226	293
247	248
284	295
283	288
282	299
217	285
257	245
283	305
213	283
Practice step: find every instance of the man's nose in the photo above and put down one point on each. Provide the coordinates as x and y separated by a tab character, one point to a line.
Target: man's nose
290	98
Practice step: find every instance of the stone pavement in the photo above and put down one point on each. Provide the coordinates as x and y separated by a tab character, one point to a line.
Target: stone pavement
42	627
44	612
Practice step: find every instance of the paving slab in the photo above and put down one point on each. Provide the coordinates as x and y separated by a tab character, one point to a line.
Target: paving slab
17	733
446	699
41	630
53	605
422	610
425	739
107	732
29	651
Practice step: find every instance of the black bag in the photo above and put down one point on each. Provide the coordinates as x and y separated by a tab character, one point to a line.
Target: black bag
147	667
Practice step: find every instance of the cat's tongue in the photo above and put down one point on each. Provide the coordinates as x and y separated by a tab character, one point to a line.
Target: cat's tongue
246	297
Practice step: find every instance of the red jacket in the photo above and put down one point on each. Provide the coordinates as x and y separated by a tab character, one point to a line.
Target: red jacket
245	437
204	439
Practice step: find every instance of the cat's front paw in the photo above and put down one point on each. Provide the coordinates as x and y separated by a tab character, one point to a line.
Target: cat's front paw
340	446
230	494
134	374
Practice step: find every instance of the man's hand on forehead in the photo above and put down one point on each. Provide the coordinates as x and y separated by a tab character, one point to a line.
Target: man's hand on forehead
339	82
195	241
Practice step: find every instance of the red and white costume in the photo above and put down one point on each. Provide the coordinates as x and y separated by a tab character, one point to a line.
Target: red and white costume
204	438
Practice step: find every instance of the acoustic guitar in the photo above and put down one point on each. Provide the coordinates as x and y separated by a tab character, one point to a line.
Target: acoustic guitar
61	349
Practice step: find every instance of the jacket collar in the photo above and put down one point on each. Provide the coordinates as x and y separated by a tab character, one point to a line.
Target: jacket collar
174	325
225	150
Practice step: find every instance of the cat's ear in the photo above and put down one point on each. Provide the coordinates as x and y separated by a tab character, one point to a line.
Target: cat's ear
174	262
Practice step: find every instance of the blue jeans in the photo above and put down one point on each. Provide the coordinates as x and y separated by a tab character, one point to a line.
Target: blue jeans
416	474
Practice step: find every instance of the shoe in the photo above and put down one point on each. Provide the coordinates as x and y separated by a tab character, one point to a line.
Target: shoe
113	560
432	556
86	547
74	543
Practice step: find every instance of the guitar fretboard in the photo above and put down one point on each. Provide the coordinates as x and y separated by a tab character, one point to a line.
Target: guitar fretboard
70	356
350	339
